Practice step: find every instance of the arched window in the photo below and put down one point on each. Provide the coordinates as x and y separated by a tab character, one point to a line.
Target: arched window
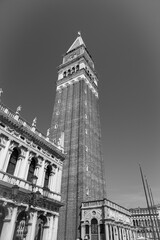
32	168
77	67
64	74
87	229
69	72
13	160
94	229
20	226
2	216
73	69
47	175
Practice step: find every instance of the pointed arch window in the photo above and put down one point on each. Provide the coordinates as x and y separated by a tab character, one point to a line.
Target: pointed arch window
13	160
32	168
47	175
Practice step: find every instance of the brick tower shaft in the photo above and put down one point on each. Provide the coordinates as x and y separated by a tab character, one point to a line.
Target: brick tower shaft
76	114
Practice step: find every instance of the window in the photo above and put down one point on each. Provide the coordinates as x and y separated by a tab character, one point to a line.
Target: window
77	67
13	160
94	227
32	168
47	175
64	74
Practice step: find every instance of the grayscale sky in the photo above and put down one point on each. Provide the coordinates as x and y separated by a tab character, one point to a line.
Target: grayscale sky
123	37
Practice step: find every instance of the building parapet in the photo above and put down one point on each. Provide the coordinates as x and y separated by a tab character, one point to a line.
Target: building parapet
11	117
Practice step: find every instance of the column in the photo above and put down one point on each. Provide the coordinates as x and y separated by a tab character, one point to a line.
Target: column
55	228
23	166
59	180
51	181
106	231
46	231
83	231
33	226
8	227
27	168
40	180
29	233
43	174
120	233
110	229
99	237
115	232
18	164
50	228
123	234
55	181
6	160
3	154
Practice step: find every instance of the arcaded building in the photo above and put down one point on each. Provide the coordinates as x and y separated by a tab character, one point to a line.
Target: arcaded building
143	220
106	220
30	180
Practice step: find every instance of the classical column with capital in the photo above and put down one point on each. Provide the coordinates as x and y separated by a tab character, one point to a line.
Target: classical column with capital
55	227
9	226
8	154
4	149
31	233
23	166
107	231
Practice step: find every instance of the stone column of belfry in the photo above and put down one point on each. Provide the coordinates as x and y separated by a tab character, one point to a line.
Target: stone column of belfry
76	113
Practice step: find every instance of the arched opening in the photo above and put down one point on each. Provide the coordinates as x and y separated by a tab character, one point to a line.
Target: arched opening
87	230
77	67
64	74
73	69
47	175
94	229
2	217
41	221
32	168
20	226
13	160
69	72
102	231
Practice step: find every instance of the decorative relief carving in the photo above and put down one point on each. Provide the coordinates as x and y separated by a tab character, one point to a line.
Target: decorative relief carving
3	140
13	145
31	155
40	160
23	152
10	130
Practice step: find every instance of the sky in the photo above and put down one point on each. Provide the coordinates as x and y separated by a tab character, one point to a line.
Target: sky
123	38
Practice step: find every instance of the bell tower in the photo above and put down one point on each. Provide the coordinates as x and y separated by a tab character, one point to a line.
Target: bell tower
76	114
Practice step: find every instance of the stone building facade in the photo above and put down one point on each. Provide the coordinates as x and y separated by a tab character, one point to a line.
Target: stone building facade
142	221
30	180
106	220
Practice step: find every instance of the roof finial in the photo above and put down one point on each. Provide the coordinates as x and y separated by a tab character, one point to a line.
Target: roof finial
19	108
79	33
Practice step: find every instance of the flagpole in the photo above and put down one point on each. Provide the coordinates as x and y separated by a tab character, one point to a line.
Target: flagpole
156	214
145	192
152	209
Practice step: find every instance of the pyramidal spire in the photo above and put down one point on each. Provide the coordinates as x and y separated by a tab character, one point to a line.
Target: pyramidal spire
78	42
